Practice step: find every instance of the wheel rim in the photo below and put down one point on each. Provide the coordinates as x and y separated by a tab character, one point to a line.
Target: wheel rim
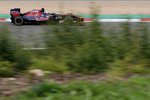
68	20
18	21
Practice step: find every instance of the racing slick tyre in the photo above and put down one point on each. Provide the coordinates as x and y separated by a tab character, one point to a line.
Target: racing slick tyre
68	20
18	21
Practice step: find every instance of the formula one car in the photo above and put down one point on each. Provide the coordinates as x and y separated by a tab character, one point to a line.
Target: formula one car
40	16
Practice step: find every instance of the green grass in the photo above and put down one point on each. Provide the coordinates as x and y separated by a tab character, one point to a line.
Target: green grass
4	16
118	16
132	89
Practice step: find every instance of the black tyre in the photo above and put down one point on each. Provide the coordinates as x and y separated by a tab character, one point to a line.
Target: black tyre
68	20
18	21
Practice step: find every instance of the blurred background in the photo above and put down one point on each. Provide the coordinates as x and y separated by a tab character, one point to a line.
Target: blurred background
106	57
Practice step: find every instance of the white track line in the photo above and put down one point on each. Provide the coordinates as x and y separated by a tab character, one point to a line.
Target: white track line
34	48
119	20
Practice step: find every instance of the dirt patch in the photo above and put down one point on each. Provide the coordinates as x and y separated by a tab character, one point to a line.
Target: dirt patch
11	86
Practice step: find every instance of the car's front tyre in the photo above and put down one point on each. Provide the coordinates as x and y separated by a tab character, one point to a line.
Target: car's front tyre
68	20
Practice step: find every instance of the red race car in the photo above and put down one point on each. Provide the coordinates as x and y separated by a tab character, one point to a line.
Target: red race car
39	15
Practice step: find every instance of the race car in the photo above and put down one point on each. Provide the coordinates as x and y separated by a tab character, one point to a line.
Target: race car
40	16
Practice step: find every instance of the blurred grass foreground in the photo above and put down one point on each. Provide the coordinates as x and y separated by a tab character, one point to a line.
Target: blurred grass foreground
71	49
132	89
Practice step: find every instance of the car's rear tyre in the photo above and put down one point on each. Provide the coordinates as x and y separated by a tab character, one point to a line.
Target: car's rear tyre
18	21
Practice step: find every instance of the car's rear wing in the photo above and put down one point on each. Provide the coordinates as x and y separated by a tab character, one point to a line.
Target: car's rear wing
14	13
15	10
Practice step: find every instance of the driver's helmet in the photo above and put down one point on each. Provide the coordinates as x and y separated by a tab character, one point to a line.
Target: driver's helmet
42	10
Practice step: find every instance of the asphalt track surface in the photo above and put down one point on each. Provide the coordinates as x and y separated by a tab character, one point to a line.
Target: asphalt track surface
30	36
